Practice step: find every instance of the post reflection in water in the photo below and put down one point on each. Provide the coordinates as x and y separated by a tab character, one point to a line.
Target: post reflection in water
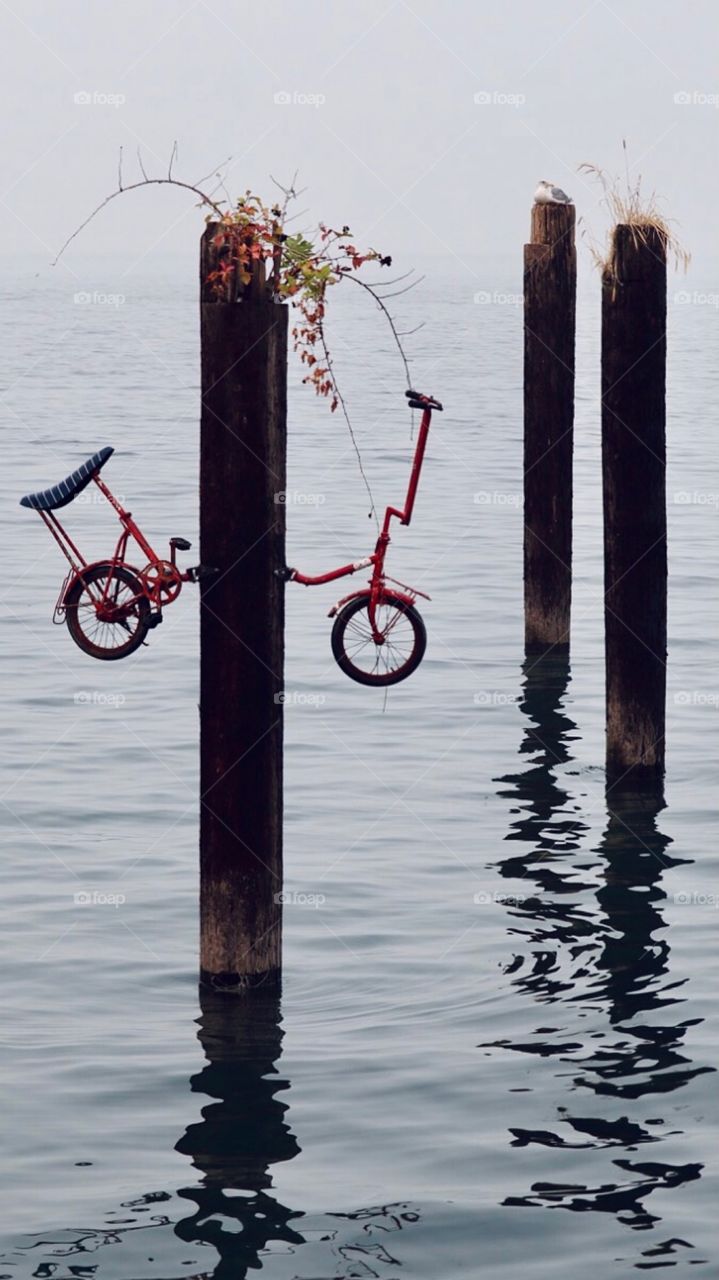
604	957
547	829
242	1133
633	965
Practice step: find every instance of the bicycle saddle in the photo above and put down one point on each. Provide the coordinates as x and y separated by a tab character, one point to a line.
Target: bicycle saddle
418	401
66	490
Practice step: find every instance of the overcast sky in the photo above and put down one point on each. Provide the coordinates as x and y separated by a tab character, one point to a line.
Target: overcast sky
423	125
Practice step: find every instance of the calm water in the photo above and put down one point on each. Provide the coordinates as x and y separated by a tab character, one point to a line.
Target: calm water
496	1047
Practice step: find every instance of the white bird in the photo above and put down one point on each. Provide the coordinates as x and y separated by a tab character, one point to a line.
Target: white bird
547	193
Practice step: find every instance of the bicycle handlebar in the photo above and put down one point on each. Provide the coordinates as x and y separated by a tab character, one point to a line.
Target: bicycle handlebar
418	401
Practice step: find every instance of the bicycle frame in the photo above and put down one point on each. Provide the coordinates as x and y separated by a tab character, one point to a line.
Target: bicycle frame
377	559
161	579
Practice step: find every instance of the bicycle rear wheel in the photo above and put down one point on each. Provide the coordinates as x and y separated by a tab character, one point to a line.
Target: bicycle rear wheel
107	612
403	640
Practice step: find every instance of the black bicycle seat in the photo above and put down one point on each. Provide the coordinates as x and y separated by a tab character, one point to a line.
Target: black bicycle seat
418	401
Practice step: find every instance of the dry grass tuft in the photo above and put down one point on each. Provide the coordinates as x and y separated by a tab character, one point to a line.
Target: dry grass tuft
628	205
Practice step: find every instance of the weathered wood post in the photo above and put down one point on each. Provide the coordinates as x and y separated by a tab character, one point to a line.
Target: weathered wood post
550	287
634	309
242	537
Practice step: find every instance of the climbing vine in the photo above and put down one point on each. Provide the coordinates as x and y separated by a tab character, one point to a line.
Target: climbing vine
255	252
251	236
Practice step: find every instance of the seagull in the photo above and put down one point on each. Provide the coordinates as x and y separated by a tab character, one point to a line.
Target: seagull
547	193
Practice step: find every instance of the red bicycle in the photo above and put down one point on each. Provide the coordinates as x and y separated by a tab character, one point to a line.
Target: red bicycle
108	605
378	637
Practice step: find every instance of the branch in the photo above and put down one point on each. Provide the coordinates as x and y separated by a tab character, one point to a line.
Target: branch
388	317
290	193
215	171
340	397
134	186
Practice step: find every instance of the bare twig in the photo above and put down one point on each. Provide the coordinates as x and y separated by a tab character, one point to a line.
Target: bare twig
135	186
387	315
385	284
289	193
399	293
215	171
345	414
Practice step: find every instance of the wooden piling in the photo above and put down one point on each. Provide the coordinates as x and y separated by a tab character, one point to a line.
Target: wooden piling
242	537
634	305
550	284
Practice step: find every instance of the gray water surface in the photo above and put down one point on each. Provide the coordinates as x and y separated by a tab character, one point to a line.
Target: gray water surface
496	1045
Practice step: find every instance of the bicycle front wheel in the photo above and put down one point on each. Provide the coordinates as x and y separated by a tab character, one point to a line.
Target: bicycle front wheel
401	647
107	612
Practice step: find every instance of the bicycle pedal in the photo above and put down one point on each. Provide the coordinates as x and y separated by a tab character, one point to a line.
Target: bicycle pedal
200	571
154	620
